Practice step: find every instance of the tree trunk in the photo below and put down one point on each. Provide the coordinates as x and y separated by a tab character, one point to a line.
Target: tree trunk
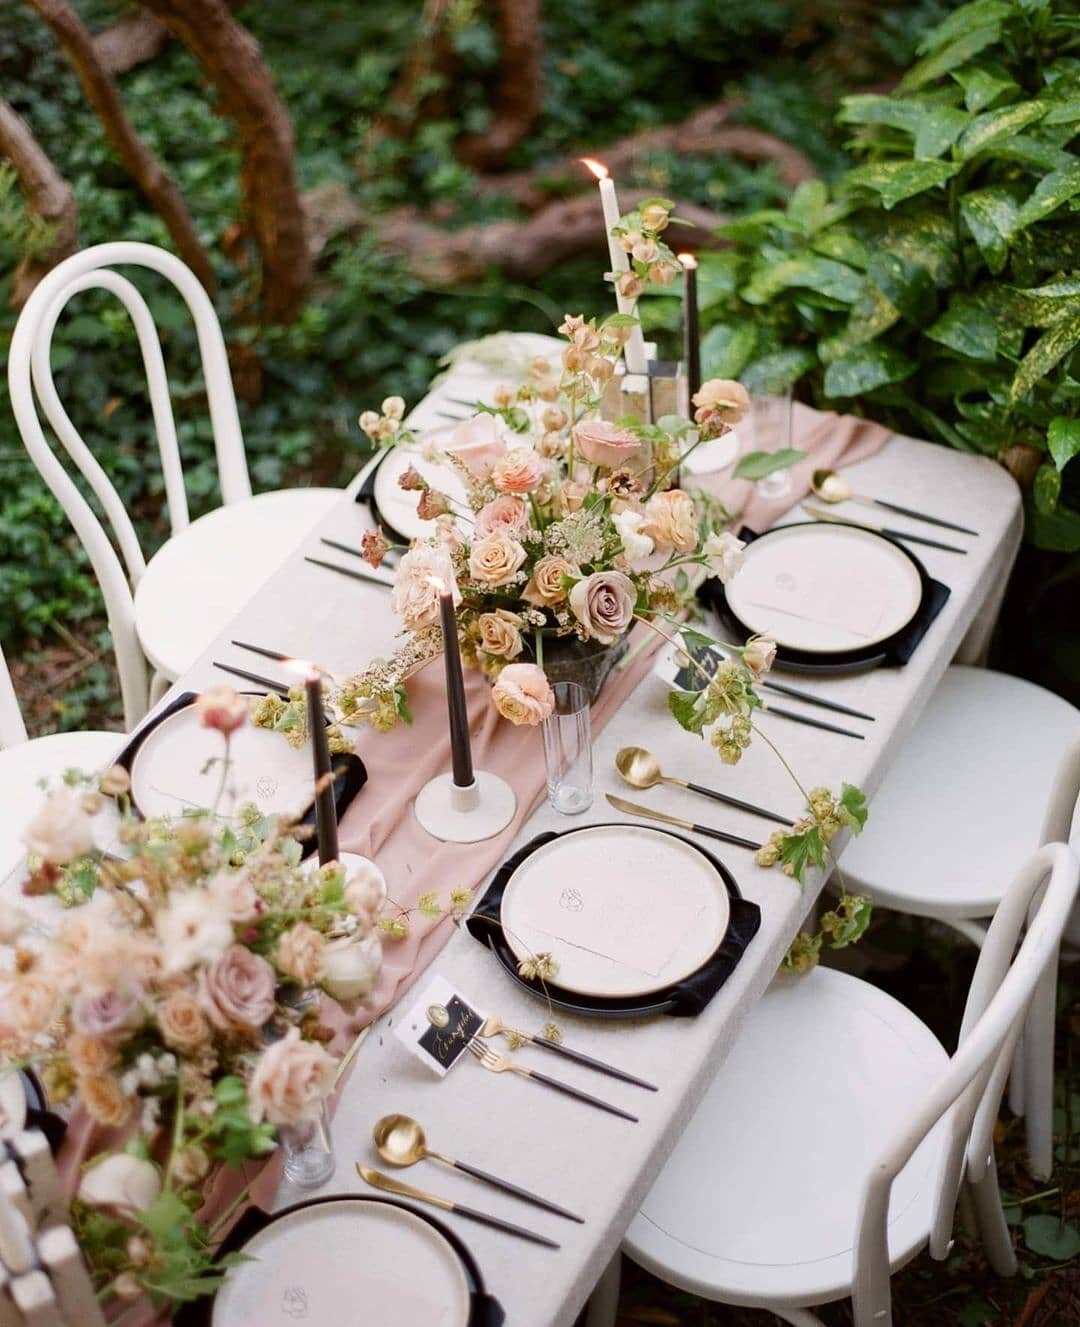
155	184
519	97
48	196
231	59
430	58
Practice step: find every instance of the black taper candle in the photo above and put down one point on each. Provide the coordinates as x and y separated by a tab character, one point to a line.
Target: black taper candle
460	746
691	328
325	808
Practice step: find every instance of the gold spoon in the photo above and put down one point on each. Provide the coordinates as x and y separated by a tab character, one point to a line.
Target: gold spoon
831	487
640	769
400	1141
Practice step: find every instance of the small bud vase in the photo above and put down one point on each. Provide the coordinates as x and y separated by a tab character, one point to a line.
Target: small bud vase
308	1151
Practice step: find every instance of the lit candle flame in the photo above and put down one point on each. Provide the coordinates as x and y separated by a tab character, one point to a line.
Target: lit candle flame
597	167
688	261
437	583
301	668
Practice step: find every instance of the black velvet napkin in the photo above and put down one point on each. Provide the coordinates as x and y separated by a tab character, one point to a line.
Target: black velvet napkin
895	651
350	772
684	999
38	1114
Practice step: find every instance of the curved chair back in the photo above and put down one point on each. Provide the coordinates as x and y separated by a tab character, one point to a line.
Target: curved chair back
965	1101
12	728
30	375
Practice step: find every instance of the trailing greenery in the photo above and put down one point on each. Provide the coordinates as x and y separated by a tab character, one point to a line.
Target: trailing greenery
936	285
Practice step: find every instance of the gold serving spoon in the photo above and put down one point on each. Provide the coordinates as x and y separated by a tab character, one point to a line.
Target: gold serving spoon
831	487
400	1141
641	769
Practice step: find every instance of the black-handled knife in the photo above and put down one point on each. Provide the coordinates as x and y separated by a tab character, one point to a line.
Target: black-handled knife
812	723
559	1086
921	516
646	813
579	1057
821	515
796	693
525	1195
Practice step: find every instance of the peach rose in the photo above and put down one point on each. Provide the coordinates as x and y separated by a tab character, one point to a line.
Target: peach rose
299	954
545	586
478	443
602	443
523	694
604	605
671	520
89	1055
31	1003
238	990
291	1081
103	1099
723	397
519	471
500	633
758	655
495	559
505	513
418	582
182	1023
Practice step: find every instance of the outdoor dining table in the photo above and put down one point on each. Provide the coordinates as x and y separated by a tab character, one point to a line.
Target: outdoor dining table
593	1163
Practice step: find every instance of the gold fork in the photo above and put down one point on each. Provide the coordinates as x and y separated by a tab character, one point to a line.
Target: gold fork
499	1064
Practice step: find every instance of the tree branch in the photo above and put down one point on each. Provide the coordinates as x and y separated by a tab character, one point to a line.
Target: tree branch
232	61
519	97
130	41
419	87
153	181
48	196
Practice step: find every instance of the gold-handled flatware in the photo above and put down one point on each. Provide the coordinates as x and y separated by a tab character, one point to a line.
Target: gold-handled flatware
400	1141
500	1064
831	487
641	769
646	813
378	1180
495	1027
820	514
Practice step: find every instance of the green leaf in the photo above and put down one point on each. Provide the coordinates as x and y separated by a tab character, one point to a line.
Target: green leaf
983	84
1050	1237
939	130
726	348
853	802
906	284
990	215
944	59
893	181
719	276
775	373
988	129
843	246
849	926
1052	347
756	465
1032	151
967	329
801	850
688	710
1066	112
1049	194
960	21
871	108
1063	440
866	367
1059	532
808	204
1046	489
824	275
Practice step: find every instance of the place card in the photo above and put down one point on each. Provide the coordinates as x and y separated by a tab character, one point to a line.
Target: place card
439	1026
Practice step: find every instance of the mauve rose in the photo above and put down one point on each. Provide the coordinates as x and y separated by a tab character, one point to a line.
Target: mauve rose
291	1081
110	1014
505	513
419	580
523	694
495	559
478	443
519	471
604	605
602	443
238	990
545	586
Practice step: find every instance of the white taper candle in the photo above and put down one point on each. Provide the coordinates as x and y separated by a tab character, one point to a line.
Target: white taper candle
620	262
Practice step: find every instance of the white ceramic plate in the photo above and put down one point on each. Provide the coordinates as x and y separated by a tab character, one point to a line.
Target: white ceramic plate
398	507
348	1261
823	588
169	774
625	910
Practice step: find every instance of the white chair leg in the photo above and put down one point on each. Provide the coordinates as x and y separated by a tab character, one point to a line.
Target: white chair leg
797	1317
993	1230
1017	1094
1036	1054
159	684
604	1301
973	931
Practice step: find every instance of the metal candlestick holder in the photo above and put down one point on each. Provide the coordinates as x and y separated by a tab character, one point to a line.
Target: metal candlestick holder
456	814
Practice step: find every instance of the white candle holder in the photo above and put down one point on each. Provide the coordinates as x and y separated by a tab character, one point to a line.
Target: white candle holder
465	815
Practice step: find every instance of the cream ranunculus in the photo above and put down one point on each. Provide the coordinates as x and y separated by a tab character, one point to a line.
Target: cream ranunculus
523	694
545	587
60	831
500	633
291	1081
636	545
506	513
495	559
352	967
121	1181
604	605
421	575
478	443
671	519
601	443
723	555
727	399
193	928
519	471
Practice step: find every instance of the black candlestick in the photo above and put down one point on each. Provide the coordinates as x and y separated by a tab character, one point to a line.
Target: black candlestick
325	807
460	746
691	330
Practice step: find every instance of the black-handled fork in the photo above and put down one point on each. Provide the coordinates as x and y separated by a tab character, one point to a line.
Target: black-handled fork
499	1064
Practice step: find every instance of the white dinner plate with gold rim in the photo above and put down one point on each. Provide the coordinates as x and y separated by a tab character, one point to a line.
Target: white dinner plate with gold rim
346	1261
397	506
823	588
625	910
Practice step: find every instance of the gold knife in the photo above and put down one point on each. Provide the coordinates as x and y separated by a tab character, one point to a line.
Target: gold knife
632	809
378	1180
820	514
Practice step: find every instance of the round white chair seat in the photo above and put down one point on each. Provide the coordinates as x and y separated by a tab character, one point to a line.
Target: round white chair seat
200	580
759	1202
22	768
984	754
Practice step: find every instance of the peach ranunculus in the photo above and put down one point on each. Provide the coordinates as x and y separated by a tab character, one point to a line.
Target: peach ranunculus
602	443
89	1055
500	633
506	513
724	398
671	520
495	559
604	605
31	1001
222	708
103	1100
419	580
299	954
478	443
523	694
238	990
519	471
182	1023
291	1081
545	587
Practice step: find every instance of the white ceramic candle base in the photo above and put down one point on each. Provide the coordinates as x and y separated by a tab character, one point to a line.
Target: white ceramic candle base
465	815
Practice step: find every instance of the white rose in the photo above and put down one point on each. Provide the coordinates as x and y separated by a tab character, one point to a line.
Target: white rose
723	555
636	546
366	887
352	967
60	831
194	928
121	1181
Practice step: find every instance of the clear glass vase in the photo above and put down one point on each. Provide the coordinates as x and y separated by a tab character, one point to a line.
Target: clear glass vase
308	1151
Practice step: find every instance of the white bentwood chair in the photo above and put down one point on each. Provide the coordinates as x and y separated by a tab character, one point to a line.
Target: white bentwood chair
167	611
838	1135
24	763
990	771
